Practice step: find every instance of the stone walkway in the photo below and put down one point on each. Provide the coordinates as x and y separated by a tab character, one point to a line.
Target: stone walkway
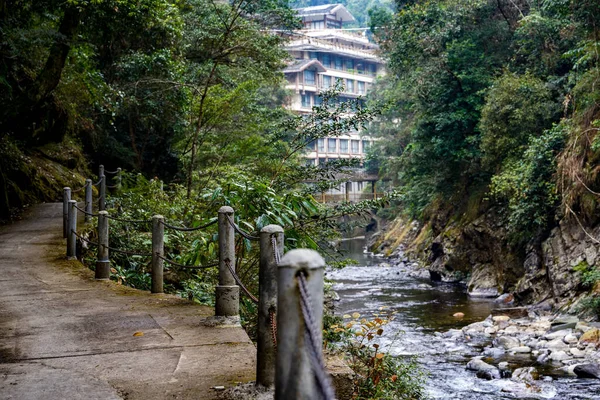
65	336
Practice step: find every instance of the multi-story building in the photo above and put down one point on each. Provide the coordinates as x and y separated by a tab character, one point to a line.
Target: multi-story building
324	54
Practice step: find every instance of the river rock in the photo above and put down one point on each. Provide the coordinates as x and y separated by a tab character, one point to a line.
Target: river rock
500	318
591	336
521	349
458	315
505	299
527	374
513	312
583	326
556	335
559	355
511	329
587	371
493	352
483	369
506	342
577	353
565	319
491	330
570	339
557	345
562	327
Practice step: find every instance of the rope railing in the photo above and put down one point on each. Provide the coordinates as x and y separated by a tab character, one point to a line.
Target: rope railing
112	172
176	264
130	221
296	274
239	282
86	212
97	183
186	229
240	230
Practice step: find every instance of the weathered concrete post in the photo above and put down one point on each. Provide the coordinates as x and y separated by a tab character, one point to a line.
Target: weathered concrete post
102	197
66	199
267	303
88	199
102	259
374	189
119	179
227	294
293	377
158	251
72	228
348	190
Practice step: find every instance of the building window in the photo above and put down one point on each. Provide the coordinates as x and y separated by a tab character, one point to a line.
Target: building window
310	162
366	145
349	64
344	146
318	24
350	85
326	61
318	101
322	162
338	63
309	77
306	101
313	55
326	81
331	145
321	146
310	146
372	69
355	146
361	88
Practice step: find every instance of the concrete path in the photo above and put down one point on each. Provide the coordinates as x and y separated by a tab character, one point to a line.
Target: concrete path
65	336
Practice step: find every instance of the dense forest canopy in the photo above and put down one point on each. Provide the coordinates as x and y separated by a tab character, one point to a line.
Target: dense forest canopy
498	102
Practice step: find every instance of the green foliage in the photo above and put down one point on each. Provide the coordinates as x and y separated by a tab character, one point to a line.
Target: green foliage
378	375
527	184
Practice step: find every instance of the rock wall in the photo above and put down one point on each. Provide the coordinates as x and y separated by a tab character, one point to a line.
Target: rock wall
478	254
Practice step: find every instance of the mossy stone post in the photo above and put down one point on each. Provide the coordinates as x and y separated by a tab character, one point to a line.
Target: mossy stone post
72	228
294	377
227	293
158	251
88	200
102	259
267	303
66	199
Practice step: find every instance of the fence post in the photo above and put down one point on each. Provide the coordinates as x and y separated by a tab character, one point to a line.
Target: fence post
227	294
158	251
88	199
66	199
294	377
119	179
102	259
267	303
102	199
72	228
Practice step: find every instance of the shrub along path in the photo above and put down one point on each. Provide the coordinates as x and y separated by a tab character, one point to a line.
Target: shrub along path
65	336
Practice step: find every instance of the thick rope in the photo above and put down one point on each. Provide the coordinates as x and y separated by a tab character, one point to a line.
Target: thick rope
273	322
97	183
311	338
78	190
87	213
84	239
239	281
111	172
185	229
239	230
214	264
130	221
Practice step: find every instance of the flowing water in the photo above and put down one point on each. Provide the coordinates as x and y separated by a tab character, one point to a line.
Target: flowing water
424	311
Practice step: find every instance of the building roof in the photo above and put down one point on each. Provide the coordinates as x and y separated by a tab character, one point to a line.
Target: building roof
341	12
301	65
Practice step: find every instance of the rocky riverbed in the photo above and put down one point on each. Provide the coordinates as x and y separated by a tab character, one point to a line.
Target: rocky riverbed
551	346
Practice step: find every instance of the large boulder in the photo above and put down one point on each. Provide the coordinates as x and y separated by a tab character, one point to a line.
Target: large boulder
484	282
591	336
506	342
483	369
587	371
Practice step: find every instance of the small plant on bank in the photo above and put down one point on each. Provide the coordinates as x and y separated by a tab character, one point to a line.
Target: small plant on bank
378	375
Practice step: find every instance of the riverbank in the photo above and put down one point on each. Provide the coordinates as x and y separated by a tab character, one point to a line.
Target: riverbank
425	326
